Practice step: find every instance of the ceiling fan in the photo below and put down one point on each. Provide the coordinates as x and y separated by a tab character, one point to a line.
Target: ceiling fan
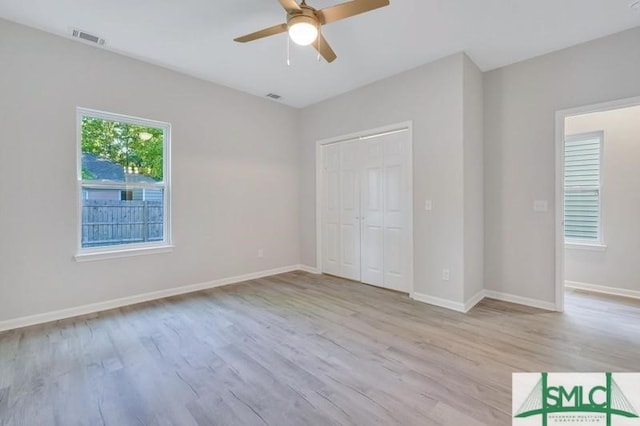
304	23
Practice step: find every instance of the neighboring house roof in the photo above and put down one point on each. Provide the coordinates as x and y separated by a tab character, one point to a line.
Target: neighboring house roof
102	169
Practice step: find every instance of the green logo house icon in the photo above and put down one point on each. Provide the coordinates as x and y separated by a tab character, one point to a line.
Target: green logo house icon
607	399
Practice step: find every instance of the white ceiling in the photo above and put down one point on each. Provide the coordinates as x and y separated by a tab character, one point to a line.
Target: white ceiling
196	36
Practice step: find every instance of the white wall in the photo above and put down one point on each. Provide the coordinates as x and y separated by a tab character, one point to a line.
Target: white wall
473	180
618	265
235	174
432	97
519	106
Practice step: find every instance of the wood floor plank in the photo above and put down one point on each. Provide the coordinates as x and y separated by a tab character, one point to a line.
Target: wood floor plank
298	349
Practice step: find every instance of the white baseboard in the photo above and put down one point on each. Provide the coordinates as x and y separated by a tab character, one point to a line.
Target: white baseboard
474	300
309	269
512	298
449	304
438	301
146	297
614	291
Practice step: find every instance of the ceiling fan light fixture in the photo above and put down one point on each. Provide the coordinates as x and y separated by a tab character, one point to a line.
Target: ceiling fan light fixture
304	23
303	30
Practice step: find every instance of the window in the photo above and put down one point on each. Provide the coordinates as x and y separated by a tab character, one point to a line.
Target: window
123	182
582	188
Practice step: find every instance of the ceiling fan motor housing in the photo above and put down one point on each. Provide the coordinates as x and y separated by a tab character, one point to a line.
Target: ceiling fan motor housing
306	15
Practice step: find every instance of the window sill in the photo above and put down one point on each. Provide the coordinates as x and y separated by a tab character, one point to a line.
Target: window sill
585	246
126	252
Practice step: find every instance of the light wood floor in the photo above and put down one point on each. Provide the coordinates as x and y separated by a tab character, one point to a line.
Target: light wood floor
300	349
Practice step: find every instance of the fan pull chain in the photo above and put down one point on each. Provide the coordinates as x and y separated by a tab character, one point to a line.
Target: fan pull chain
288	52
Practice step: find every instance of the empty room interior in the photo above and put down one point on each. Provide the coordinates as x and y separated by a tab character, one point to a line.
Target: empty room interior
271	212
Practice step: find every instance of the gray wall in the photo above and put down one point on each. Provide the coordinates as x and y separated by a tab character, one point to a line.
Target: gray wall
520	102
235	173
431	96
617	266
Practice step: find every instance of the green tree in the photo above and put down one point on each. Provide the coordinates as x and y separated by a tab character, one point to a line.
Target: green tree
129	145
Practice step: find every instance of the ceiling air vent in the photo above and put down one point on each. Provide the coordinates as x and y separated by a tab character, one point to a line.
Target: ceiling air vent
273	96
87	37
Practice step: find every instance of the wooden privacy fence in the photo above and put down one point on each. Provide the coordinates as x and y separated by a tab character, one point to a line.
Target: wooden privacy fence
110	222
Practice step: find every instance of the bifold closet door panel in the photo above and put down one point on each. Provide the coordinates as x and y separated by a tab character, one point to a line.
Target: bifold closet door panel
373	212
330	221
350	209
341	210
397	211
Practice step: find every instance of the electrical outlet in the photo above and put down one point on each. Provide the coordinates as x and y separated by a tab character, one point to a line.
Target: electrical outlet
260	253
446	275
427	203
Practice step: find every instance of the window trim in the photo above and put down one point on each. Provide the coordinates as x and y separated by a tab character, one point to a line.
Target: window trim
123	250
599	244
585	246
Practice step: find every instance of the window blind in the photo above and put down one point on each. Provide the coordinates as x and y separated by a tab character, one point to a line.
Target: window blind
582	165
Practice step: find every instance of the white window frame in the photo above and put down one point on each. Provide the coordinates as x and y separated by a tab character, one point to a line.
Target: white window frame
578	243
124	250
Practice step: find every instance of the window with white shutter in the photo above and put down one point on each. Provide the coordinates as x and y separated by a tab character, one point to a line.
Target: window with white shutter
582	188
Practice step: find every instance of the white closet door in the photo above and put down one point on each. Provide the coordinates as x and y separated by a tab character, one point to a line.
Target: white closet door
350	209
331	210
397	211
341	210
366	210
386	203
373	213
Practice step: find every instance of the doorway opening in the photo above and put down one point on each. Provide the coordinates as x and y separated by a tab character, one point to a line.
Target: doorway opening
597	199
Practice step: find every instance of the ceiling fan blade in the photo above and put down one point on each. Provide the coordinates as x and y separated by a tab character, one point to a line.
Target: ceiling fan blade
290	5
324	49
276	29
345	10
